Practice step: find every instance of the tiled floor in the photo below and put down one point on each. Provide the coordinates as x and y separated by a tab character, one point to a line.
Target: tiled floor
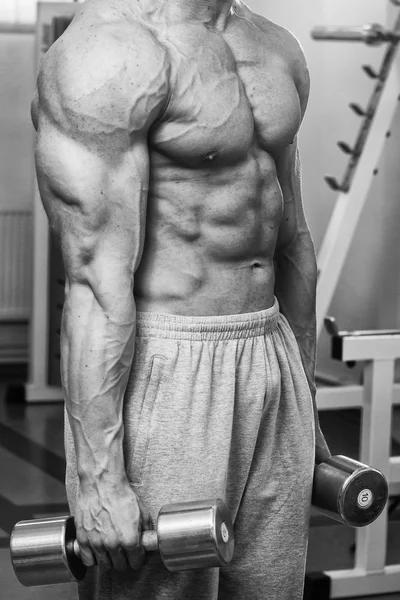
32	472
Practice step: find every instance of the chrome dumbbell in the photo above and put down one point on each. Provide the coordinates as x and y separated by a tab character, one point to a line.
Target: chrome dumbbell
349	491
188	535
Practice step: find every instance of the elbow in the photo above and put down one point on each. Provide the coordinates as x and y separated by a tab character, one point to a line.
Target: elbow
103	278
293	242
298	248
109	292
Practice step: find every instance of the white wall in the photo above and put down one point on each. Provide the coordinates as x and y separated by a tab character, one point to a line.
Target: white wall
16	131
17	82
20	11
367	296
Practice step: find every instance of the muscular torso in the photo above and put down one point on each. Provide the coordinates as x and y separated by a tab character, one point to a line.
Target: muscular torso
215	200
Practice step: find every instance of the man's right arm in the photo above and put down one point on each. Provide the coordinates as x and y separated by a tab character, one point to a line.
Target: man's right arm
93	170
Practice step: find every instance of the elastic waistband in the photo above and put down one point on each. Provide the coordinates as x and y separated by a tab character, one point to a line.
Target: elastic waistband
223	327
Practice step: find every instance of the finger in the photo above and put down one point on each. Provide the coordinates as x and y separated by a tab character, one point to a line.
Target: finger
131	542
147	521
87	556
136	558
135	553
118	558
86	553
101	556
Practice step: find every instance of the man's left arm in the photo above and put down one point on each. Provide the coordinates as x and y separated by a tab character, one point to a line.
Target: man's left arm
295	261
296	275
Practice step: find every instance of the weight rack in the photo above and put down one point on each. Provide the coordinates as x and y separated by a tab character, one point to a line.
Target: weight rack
364	155
379	350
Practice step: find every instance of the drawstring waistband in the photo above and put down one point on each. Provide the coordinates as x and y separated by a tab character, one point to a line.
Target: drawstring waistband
221	327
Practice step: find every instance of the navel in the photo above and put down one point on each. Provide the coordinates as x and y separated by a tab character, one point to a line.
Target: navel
211	155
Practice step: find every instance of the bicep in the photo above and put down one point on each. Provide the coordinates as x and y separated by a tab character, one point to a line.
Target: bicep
95	111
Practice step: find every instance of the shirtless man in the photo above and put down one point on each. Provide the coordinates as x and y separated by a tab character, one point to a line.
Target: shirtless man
168	165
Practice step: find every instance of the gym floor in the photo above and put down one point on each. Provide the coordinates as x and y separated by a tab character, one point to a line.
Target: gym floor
32	474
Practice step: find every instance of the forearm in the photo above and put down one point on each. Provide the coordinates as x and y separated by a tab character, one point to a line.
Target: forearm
97	347
295	289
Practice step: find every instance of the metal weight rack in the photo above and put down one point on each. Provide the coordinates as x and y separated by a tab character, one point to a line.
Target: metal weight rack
379	350
364	154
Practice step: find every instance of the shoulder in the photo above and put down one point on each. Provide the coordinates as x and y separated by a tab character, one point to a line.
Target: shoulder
292	52
104	73
286	45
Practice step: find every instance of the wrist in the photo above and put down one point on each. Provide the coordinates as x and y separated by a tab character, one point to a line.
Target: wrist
110	477
103	485
322	451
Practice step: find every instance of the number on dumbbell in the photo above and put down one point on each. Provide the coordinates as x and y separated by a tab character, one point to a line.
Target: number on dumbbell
365	498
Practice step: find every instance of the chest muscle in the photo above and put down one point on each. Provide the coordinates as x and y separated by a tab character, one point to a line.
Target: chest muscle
226	94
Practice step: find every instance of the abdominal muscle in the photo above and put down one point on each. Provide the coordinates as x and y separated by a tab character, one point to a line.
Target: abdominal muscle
210	240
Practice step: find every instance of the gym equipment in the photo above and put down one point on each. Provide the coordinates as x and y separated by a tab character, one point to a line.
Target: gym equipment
379	350
372	34
364	154
188	535
349	491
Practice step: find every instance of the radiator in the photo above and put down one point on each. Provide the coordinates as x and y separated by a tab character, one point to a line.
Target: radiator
15	265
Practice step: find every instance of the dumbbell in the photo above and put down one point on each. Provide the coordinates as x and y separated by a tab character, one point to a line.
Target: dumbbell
188	535
349	491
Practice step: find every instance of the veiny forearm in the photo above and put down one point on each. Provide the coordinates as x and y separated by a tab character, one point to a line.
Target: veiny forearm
295	288
97	347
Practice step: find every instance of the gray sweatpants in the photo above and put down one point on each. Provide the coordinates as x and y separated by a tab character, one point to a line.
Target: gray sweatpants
218	407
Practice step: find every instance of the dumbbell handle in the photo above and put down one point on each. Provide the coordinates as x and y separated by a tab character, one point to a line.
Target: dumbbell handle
149	542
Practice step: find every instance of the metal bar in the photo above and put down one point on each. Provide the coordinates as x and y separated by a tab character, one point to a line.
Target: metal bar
43	393
375	450
372	34
357	582
370	333
387	63
370	347
347	396
394	469
349	206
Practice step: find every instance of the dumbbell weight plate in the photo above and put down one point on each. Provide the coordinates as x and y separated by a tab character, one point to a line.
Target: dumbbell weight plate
195	535
43	554
349	491
192	535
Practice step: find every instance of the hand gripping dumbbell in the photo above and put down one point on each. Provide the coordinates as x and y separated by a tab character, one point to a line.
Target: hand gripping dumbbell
188	535
349	491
